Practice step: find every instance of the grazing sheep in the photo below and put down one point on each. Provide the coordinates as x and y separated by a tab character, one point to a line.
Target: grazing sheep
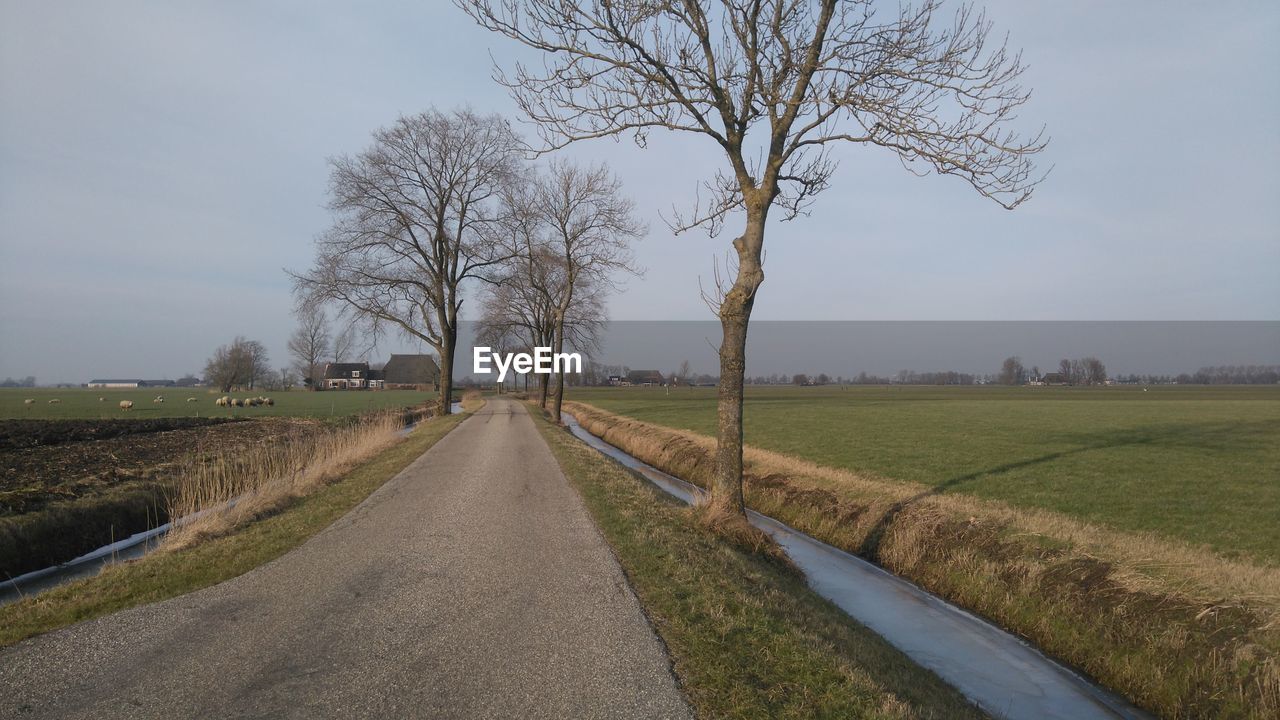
252	402
29	401
223	401
126	404
237	402
158	400
55	401
269	402
191	400
101	399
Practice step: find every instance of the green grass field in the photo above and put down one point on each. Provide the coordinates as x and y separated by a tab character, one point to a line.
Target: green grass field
1199	464
81	403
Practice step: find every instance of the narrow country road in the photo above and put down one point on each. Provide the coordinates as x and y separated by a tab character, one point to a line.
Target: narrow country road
472	585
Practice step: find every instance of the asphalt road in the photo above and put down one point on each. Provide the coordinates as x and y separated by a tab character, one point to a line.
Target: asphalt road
473	585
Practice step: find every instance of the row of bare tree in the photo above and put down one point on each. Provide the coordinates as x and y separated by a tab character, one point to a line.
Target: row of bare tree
774	85
442	203
569	232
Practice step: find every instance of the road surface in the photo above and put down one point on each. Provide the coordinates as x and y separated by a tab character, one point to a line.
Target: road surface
473	585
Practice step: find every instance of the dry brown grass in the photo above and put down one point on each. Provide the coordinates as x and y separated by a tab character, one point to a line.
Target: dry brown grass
472	401
1180	629
734	529
266	478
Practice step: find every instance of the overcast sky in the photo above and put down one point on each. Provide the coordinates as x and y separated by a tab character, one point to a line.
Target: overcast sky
161	162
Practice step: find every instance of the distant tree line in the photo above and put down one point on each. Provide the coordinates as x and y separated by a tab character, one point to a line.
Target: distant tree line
26	382
1233	375
1082	371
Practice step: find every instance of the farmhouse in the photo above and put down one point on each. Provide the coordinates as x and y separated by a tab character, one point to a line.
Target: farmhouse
644	377
116	383
410	371
346	376
401	371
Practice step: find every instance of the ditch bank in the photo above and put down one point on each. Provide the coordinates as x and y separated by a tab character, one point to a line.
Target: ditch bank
1166	648
1001	674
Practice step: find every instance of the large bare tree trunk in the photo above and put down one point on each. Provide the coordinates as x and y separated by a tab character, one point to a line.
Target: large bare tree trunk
735	313
559	348
449	341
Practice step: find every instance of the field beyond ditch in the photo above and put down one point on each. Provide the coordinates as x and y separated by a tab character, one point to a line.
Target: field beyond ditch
1197	464
1129	534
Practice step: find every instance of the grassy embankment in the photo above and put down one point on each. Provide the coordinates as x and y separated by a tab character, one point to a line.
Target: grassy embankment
747	637
83	403
225	547
1117	529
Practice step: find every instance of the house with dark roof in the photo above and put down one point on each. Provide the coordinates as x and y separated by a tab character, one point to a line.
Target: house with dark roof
644	377
411	371
345	376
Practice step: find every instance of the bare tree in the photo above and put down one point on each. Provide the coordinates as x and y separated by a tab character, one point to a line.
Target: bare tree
1065	370
242	364
1095	373
309	344
589	227
344	344
773	84
413	222
519	307
1012	372
684	372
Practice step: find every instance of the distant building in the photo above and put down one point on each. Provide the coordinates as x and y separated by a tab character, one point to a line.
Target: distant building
411	371
401	371
644	377
156	383
116	383
1053	379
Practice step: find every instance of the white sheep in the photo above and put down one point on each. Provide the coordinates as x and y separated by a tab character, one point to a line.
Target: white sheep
269	402
55	401
191	400
101	399
29	401
126	404
223	401
158	400
237	402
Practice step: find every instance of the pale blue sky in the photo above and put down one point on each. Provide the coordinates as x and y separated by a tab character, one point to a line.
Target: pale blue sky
160	162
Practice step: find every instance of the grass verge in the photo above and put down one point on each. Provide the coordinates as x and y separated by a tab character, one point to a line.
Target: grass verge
1181	631
169	573
747	637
